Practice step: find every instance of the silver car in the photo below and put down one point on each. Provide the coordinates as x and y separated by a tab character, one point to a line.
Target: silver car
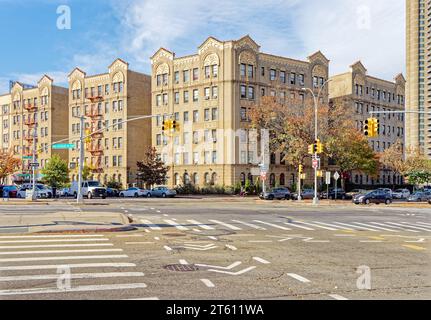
162	192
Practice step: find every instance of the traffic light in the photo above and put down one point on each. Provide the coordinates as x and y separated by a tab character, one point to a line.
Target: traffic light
320	173
319	147
376	127
301	169
311	149
368	127
87	134
175	126
166	125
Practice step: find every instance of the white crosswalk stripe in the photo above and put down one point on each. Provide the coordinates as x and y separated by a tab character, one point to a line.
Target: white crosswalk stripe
375	227
424	223
8	253
297	225
411	226
407	226
344	226
151	225
176	225
73	276
249	225
317	226
272	225
394	227
201	225
354	227
227	225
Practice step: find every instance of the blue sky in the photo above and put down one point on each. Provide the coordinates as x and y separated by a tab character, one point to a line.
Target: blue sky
102	30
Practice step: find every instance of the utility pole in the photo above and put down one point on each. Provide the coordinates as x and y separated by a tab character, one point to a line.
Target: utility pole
81	159
34	196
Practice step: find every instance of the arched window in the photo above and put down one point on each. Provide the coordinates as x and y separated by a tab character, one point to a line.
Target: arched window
105	179
207	178
114	177
214	178
99	178
119	178
250	177
272	180
282	180
242	178
177	179
195	178
186	178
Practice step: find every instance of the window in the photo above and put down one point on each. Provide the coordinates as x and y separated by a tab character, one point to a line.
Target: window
120	105
106	89
186	76
250	72
99	91
251	93
207	114
186	96
158	100
186	162
243	90
195	159
195	137
283	76
114	161
315	82
165	99
186	138
177	97
195	116
243	114
186	116
207	93
301	79
293	78
215	70
195	74
214	157
177	116
242	70
207	72
195	95
215	92
272	74
214	114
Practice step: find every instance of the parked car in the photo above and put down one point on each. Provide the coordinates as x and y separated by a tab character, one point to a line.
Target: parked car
386	190
113	193
338	193
89	189
40	186
354	192
305	194
10	191
163	192
376	196
419	196
134	192
40	193
401	194
65	192
276	193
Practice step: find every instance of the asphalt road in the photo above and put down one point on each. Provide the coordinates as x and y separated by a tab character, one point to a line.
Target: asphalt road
218	249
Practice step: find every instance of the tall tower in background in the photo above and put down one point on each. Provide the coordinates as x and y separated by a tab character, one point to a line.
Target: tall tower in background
418	89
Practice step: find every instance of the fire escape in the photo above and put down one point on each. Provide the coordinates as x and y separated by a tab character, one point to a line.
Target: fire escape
94	147
30	137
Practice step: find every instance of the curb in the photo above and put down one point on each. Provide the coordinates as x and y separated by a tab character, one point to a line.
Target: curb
83	231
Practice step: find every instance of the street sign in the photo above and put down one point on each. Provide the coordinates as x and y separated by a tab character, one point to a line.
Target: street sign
27	157
63	146
34	164
263	176
315	163
328	177
336	176
264	167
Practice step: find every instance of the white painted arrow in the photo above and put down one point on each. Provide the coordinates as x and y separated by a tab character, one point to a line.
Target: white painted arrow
200	249
233	265
234	273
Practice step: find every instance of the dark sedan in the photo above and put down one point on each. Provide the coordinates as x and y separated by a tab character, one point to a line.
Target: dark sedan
334	194
377	197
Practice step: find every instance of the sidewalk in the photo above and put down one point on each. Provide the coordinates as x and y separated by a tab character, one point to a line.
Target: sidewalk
64	222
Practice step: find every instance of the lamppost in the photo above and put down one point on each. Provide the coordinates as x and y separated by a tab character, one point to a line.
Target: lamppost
316	105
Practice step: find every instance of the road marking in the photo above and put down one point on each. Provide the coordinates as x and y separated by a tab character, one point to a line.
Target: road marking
208	283
59	246
234	273
381	224
167	248
260	241
197	230
233	248
370	241
410	225
337	297
355	227
421	240
58	240
317	226
227	225
56	266
315	241
176	225
249	225
272	225
213	238
200	224
130	236
183	262
53	236
139	242
336	226
201	249
410	246
157	238
375	227
7	253
233	265
344	235
406	226
73	289
73	276
119	256
151	225
261	260
298	277
298	226
424	223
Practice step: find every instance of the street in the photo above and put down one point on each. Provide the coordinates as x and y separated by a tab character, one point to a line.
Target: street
214	248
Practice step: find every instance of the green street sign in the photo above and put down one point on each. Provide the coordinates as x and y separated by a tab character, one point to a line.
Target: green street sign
27	158
63	146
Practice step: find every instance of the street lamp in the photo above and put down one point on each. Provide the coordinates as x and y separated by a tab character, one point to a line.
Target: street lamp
316	102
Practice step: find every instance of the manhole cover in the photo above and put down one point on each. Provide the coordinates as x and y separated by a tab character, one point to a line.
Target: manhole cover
174	234
181	267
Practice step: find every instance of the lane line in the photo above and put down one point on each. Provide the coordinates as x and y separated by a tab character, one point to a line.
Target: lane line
272	225
150	225
250	225
58	240
227	225
208	283
233	248
119	256
317	226
59	246
298	277
412	225
410	246
200	224
56	266
261	260
385	225
73	289
337	297
167	248
139	242
58	251
73	276
176	225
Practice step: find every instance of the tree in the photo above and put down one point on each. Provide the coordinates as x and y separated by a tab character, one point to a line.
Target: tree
152	169
393	158
56	172
86	171
8	165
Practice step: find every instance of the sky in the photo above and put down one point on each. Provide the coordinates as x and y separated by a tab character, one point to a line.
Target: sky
34	44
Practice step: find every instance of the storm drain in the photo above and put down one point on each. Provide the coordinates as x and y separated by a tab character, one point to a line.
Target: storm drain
181	267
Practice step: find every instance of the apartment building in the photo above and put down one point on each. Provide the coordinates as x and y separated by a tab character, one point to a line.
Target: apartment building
107	100
210	94
33	116
362	93
418	89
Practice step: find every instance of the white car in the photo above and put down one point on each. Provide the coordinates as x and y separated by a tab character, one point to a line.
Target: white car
401	194
21	194
134	192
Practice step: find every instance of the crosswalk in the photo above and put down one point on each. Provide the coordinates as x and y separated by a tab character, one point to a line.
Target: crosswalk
285	225
31	265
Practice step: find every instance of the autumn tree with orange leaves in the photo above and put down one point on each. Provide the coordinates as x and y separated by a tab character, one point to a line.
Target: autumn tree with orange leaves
291	124
8	165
